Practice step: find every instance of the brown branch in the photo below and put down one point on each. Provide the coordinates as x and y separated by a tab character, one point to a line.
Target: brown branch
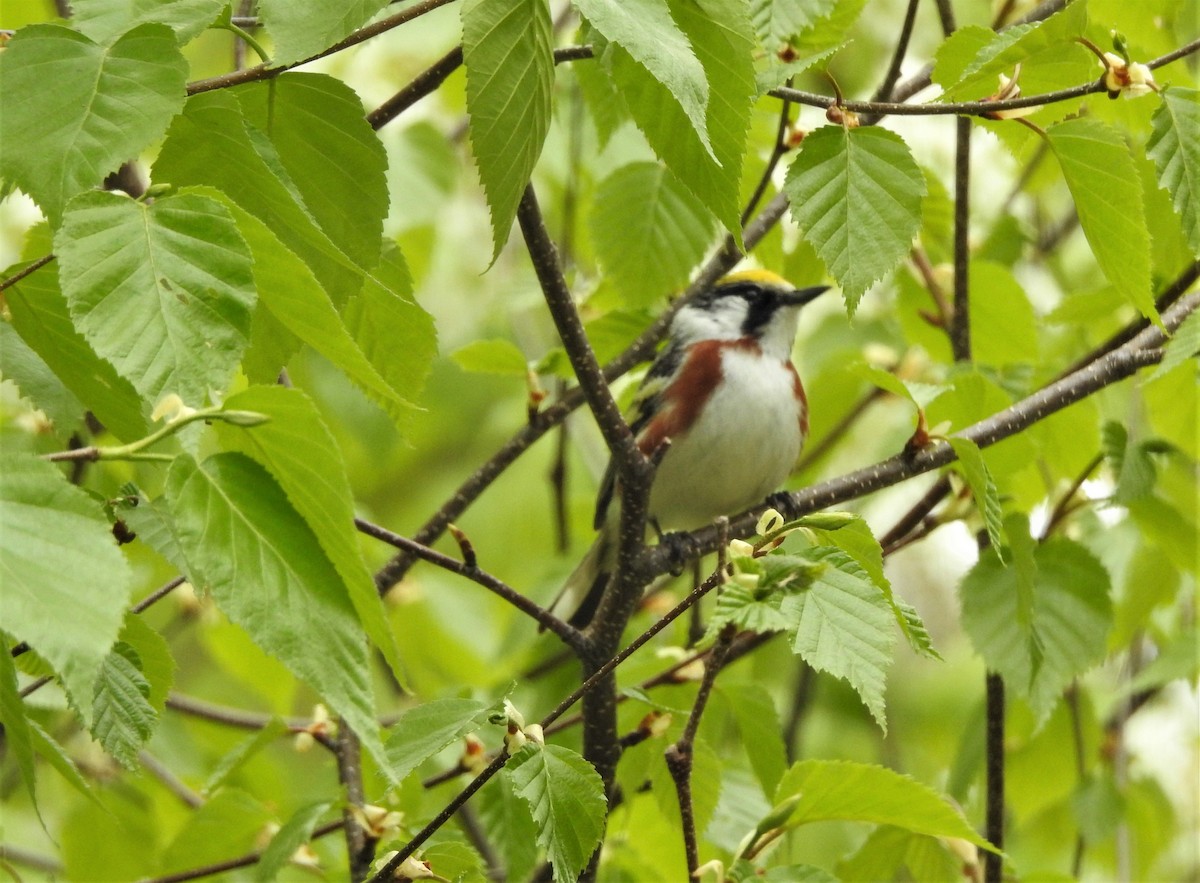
569	635
960	324
679	755
243	861
893	72
170	781
266	72
25	271
1141	351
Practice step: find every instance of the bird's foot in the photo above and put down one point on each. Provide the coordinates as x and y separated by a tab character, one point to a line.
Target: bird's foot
681	548
782	503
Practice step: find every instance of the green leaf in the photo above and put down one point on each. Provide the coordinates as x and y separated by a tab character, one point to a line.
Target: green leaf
17	735
329	153
242	752
228	823
710	166
856	540
294	833
1107	190
566	797
1174	146
124	719
41	317
848	791
761	732
983	487
154	659
294	296
246	544
491	357
777	72
212	143
63	582
508	52
510	826
38	383
1131	463
1000	306
653	39
74	111
971	60
844	627
163	291
299	451
423	731
1183	345
857	195
53	753
104	20
395	334
777	21
649	231
302	28
1041	652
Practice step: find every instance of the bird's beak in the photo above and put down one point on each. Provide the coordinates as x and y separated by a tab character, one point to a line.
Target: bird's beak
802	296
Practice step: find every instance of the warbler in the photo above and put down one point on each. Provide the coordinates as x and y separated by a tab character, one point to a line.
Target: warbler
726	395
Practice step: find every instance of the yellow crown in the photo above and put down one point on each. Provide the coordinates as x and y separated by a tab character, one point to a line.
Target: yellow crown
760	277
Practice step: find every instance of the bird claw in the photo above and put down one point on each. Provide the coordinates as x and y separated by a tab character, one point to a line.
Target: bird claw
781	502
681	548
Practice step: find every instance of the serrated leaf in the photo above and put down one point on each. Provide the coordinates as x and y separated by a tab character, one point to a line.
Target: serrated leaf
648	32
510	826
64	583
649	231
777	21
843	626
507	50
857	195
293	834
423	731
395	334
1063	634
1174	146
233	760
302	28
778	72
839	789
212	143
1183	345
53	753
970	62
163	291
743	607
298	301
42	318
124	719
299	451
103	20
74	110
17	735
1107	190
856	540
491	357
246	544
983	487
710	167
330	154
155	662
566	797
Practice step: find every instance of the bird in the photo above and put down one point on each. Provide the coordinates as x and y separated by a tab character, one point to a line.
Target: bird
725	398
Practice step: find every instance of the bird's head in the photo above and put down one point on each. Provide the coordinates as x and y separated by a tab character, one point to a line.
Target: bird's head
754	304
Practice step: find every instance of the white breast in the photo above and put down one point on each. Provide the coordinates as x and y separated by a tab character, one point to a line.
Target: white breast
741	449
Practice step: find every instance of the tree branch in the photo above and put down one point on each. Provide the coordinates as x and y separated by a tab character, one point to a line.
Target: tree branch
893	72
960	324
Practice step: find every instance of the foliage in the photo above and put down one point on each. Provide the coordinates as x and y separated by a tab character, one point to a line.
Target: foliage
262	325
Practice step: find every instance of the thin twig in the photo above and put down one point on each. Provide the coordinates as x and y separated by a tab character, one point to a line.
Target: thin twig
778	149
893	72
25	271
960	325
242	861
913	518
838	430
993	862
172	782
679	755
266	72
1063	507
569	635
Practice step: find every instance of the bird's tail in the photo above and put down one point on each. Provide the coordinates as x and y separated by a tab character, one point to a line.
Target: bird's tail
581	593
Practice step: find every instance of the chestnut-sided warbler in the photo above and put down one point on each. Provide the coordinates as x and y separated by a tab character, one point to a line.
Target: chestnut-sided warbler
725	393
